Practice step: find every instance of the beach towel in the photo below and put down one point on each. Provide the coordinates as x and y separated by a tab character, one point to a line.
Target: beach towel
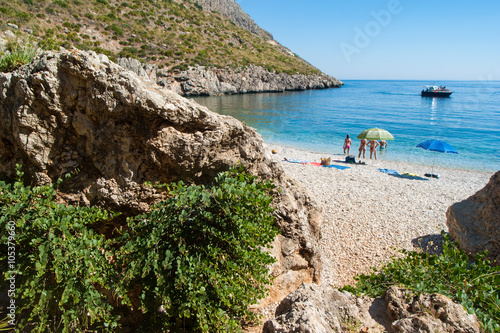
316	164
292	160
412	176
406	175
389	171
357	163
340	167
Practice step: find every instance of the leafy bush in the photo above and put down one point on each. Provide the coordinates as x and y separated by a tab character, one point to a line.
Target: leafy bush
116	29
475	285
61	3
198	255
16	56
62	264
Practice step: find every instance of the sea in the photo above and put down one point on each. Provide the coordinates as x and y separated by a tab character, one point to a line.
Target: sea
319	120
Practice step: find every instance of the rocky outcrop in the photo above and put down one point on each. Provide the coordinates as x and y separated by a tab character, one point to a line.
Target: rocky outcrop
233	11
475	222
252	79
77	111
313	308
427	313
146	71
203	81
322	309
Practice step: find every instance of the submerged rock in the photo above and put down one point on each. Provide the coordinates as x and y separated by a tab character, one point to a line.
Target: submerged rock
79	112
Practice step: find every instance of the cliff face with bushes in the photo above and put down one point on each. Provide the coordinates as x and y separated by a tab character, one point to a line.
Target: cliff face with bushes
233	11
195	47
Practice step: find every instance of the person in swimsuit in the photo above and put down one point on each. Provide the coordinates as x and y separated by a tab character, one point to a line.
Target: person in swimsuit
373	148
362	148
383	144
347	144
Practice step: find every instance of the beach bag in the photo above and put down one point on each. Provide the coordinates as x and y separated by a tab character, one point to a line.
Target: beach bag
350	159
325	161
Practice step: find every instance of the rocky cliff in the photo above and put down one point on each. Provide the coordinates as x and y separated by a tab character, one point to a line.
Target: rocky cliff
203	81
74	110
233	11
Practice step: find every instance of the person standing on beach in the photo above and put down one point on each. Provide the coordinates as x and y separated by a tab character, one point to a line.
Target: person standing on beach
362	147
347	144
373	148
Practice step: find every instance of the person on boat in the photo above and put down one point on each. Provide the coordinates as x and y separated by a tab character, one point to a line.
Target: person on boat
362	148
373	148
347	144
383	144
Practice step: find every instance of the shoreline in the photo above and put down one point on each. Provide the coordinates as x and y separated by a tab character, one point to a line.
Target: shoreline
424	158
369	216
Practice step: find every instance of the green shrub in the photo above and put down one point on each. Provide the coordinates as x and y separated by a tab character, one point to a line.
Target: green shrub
61	3
198	255
61	263
117	31
17	56
475	285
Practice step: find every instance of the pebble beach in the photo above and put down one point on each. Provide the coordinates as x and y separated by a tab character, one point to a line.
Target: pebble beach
369	216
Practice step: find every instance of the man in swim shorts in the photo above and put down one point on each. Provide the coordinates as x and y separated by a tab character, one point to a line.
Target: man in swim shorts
373	148
383	144
347	144
362	148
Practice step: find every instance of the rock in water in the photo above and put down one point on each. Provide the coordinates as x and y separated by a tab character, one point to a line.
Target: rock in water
475	222
74	110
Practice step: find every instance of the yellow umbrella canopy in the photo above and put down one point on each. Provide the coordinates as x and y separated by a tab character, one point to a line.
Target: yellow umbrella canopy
375	134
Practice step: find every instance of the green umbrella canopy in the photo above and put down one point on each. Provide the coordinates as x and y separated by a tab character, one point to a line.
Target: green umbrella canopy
375	134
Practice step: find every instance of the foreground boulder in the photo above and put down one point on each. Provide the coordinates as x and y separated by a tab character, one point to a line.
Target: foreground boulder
320	308
475	222
79	112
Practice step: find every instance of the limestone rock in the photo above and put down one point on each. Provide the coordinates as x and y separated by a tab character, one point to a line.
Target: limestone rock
206	81
427	313
252	79
233	11
475	222
320	308
76	111
146	71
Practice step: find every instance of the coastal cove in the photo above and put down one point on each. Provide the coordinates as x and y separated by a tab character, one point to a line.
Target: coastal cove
318	120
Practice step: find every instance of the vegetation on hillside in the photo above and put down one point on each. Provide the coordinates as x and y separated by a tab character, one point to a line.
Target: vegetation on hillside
195	262
172	34
474	284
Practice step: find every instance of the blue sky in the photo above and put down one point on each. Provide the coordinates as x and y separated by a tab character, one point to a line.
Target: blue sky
389	39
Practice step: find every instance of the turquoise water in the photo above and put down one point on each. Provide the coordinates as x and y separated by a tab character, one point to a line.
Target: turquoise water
319	120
